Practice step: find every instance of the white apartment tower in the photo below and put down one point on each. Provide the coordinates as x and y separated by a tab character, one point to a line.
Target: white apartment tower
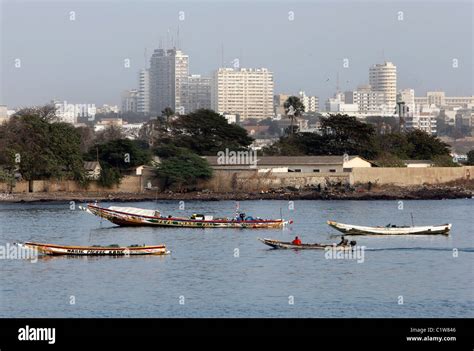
143	104
244	91
383	78
311	103
169	71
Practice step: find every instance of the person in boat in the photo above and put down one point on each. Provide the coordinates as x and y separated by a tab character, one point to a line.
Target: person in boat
343	242
241	217
297	241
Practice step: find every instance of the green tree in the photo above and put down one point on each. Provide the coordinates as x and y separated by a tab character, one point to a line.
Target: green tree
386	159
396	144
121	154
426	146
205	132
182	169
470	158
32	143
345	134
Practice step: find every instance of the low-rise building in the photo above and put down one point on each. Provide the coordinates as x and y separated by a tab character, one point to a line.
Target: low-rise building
418	163
297	164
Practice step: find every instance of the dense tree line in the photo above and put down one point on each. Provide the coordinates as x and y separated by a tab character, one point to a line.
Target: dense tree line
36	145
342	134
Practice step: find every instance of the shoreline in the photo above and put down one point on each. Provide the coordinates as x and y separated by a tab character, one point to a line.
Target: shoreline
385	193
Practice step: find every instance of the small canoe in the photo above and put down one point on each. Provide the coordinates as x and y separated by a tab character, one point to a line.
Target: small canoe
277	244
132	216
112	250
350	229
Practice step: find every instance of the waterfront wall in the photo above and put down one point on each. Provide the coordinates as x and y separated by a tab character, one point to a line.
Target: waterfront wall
410	176
252	181
226	181
129	184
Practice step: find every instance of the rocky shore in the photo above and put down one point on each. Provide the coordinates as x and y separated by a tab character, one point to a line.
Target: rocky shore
447	191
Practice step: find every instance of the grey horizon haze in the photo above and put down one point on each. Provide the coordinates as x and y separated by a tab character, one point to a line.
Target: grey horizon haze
82	60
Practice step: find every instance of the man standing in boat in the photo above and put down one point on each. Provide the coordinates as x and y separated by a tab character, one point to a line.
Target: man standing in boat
297	241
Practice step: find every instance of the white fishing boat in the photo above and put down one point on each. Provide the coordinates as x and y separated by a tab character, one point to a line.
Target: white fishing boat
350	229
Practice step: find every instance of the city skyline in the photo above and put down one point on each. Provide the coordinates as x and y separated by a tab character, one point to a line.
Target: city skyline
94	70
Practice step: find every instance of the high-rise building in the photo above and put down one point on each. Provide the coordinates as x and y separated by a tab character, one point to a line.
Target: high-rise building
244	91
407	96
383	78
311	103
196	93
369	101
130	100
279	104
143	104
169	71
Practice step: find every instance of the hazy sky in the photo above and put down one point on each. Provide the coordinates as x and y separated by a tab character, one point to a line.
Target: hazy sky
82	61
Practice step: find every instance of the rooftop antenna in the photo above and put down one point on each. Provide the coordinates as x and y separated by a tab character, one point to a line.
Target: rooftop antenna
177	40
337	82
168	39
222	55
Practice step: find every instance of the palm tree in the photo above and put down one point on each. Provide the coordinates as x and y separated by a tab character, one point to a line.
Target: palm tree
294	108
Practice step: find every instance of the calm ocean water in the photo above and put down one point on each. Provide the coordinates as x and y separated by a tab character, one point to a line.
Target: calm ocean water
204	278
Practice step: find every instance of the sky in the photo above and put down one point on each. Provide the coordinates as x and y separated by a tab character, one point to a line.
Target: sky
45	55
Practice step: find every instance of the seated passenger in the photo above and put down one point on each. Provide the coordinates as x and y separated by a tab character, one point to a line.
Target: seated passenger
297	241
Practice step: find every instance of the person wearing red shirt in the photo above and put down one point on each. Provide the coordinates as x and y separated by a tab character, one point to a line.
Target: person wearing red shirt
297	241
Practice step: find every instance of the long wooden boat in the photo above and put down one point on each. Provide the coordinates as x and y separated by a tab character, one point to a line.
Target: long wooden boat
132	216
113	250
277	244
350	229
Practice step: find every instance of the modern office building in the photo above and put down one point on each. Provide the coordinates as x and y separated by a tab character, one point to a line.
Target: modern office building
169	70
383	78
244	91
196	93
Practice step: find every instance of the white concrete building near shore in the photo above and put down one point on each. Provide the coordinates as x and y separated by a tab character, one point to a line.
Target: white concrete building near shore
244	91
